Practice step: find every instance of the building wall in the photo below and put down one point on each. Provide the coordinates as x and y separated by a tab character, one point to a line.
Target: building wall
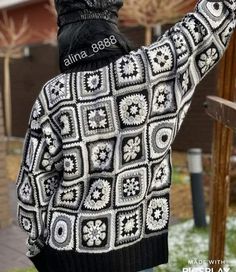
28	77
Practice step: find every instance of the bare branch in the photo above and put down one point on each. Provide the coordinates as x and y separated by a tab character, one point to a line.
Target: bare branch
3	39
13	37
51	8
150	12
48	36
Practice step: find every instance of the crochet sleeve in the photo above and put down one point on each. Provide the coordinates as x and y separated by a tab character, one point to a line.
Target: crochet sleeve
39	177
185	54
198	41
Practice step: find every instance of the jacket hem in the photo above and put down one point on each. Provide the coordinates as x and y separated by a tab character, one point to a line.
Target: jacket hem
147	253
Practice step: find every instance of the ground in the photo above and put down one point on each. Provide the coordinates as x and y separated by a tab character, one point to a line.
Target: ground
189	247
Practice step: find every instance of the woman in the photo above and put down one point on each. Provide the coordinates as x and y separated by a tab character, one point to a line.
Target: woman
93	188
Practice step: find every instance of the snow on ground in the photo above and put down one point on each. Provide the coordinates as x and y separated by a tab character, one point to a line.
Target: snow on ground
188	247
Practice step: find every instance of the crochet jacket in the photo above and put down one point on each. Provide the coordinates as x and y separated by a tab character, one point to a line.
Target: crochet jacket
94	184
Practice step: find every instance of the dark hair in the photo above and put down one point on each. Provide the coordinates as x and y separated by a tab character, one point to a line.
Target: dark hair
78	36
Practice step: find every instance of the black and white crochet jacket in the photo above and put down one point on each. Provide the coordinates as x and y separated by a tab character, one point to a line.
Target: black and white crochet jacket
94	183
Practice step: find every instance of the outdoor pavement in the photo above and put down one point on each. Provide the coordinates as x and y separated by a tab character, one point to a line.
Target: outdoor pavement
12	249
12	242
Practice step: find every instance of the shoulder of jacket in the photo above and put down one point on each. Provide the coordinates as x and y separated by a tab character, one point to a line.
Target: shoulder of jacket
61	78
55	89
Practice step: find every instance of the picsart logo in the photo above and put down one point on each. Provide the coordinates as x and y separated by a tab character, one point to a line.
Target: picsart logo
202	266
205	269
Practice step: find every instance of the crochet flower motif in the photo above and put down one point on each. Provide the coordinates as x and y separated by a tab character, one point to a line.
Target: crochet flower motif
208	59
162	99
57	90
65	124
180	43
163	57
102	155
27	224
51	185
93	81
34	124
185	81
94	232
50	139
35	116
131	187
69	164
129	225
157	214
132	148
69	196
97	119
128	67
26	190
134	109
47	161
197	30
99	195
